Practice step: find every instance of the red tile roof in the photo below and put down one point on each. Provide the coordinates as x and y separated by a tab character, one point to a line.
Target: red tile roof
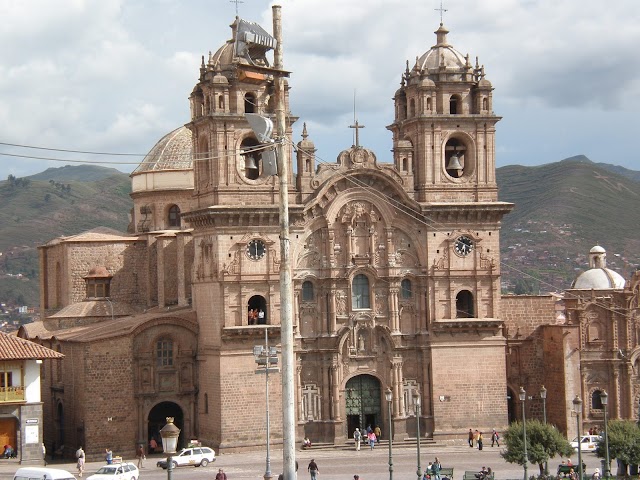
15	348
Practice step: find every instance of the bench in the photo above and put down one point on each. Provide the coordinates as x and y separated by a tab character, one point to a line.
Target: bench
444	473
564	469
473	475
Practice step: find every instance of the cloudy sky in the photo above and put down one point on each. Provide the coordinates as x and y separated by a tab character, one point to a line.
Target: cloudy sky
114	76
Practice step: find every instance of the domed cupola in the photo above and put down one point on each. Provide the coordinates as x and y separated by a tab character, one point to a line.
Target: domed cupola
598	277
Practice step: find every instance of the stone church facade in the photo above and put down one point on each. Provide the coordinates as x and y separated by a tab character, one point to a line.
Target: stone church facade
396	269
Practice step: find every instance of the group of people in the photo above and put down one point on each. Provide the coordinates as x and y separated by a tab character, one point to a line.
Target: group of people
256	316
479	440
432	472
372	436
484	473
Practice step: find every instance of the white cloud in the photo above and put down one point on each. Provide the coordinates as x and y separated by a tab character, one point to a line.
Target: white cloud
117	75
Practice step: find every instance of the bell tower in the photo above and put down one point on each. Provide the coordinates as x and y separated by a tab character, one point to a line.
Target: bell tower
444	127
235	80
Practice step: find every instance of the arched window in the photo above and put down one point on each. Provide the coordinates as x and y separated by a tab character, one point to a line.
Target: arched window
360	292
464	304
249	103
404	164
595	332
221	102
164	353
251	157
454	157
429	107
307	291
455	107
412	108
406	288
174	216
596	401
257	311
485	104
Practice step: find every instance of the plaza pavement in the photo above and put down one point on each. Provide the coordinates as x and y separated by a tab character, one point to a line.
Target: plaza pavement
335	464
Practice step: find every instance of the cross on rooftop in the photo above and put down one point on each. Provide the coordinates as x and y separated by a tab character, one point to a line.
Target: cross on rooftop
441	10
357	126
236	2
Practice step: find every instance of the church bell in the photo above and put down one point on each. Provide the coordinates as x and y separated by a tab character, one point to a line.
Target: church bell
454	163
250	163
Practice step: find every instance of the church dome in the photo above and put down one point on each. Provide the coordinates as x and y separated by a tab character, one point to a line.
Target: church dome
174	151
598	277
442	55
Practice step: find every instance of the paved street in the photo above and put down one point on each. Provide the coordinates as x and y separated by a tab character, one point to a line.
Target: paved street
336	464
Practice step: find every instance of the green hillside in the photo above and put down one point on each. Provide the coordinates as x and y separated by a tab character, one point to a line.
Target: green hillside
562	210
56	202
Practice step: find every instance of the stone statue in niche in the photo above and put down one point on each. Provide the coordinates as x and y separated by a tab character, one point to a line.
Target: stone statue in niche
361	346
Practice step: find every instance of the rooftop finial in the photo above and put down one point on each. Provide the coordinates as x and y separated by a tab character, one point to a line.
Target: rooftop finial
441	10
236	2
304	131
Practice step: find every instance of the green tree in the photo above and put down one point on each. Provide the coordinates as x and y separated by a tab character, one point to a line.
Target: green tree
624	442
544	441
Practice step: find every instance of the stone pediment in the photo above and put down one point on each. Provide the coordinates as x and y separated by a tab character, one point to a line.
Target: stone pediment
357	157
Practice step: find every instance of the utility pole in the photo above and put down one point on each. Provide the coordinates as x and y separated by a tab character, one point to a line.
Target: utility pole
286	290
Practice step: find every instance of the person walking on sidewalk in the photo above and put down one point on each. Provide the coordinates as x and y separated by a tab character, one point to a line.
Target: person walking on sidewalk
357	437
313	469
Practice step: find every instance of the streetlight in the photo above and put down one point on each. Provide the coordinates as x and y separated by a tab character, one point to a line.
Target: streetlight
416	402
577	407
604	398
169	434
543	396
523	396
388	395
265	357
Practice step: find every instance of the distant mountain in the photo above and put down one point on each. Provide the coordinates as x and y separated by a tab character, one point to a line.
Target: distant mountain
561	210
58	201
80	173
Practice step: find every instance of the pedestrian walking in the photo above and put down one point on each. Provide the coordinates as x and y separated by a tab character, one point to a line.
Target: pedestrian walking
480	440
313	469
221	475
44	454
80	458
495	438
357	437
471	438
140	455
372	440
378	432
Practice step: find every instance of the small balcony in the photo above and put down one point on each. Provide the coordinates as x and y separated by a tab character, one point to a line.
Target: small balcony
11	394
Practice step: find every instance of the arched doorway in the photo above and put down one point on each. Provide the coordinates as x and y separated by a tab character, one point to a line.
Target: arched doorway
258	304
158	419
362	403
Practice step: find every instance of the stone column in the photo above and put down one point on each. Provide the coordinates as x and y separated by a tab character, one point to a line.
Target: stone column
182	296
394	313
335	392
160	245
616	392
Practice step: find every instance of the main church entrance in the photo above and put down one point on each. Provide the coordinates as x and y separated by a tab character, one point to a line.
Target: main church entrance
158	419
362	398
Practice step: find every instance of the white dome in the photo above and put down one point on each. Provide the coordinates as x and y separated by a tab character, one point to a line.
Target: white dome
599	279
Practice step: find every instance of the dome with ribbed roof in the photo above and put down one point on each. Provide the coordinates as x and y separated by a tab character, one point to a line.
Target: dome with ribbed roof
598	277
442	55
174	151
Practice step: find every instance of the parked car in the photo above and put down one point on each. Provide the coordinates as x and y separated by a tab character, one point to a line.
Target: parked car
40	473
116	471
588	443
197	456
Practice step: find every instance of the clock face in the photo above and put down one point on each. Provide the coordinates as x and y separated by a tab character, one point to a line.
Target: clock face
256	249
463	245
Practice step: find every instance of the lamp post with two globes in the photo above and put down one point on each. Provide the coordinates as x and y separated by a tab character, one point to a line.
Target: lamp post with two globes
604	398
523	396
416	402
388	395
169	434
577	408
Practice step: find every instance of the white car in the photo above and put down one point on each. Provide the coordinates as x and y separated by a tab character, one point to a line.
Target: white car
588	443
116	471
196	456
